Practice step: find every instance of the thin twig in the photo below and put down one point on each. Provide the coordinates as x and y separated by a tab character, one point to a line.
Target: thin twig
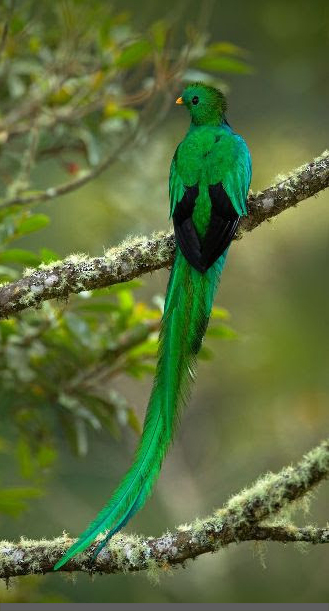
22	180
89	175
72	185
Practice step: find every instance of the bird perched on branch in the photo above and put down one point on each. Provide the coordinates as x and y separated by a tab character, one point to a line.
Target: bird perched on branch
209	181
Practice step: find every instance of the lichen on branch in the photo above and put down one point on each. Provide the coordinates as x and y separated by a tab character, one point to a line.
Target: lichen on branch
241	519
139	255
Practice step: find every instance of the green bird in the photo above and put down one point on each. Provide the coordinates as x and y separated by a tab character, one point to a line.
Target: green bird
209	181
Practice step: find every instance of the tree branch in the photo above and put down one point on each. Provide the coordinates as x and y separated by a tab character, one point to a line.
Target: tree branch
71	185
238	521
137	256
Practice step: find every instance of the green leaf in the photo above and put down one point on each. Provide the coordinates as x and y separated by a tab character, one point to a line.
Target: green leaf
215	63
7	273
68	428
134	53
220	313
226	48
81	437
147	348
80	411
7	328
118	288
92	146
46	456
48	256
25	459
133	421
33	223
138	370
14	500
205	353
21	256
223	332
126	113
96	306
126	301
79	328
159	31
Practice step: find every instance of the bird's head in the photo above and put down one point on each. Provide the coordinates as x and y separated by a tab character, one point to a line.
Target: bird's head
206	104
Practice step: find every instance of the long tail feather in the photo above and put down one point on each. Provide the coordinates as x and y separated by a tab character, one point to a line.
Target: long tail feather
187	309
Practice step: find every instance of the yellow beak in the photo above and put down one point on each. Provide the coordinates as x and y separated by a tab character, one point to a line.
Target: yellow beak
179	101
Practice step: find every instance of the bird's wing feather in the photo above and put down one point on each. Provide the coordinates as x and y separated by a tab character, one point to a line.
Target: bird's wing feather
229	163
236	179
176	185
222	226
185	231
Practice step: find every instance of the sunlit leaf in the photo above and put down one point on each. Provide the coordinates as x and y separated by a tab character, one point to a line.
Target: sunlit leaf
97	306
138	370
134	53
219	63
223	332
126	301
48	256
7	273
226	48
33	223
219	313
25	459
147	348
134	422
159	31
14	500
46	456
118	288
21	256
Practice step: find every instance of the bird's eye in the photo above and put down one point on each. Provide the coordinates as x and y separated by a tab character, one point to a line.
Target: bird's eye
195	100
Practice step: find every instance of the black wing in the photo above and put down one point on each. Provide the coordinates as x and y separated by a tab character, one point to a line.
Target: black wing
223	224
185	232
202	253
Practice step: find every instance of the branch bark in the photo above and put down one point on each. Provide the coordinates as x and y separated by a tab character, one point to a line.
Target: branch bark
239	520
140	255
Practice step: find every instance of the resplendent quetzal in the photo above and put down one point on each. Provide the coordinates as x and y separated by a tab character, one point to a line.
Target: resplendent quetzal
209	181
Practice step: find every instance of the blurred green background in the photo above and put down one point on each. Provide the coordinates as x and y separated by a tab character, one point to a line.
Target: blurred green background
263	399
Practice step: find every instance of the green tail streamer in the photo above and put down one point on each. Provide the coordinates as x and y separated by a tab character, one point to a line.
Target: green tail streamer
187	310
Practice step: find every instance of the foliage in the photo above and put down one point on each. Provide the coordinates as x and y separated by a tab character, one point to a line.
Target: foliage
76	76
59	366
78	84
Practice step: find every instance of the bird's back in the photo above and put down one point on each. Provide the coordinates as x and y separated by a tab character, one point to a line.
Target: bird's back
207	156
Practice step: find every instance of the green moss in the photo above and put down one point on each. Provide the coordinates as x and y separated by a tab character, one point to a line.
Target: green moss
302	546
294	176
153	572
28	299
260	549
128	551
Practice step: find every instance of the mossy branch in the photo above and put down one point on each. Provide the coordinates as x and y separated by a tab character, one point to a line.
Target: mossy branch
137	256
241	519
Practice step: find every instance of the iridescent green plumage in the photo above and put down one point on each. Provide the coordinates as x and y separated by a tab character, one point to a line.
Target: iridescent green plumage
209	181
